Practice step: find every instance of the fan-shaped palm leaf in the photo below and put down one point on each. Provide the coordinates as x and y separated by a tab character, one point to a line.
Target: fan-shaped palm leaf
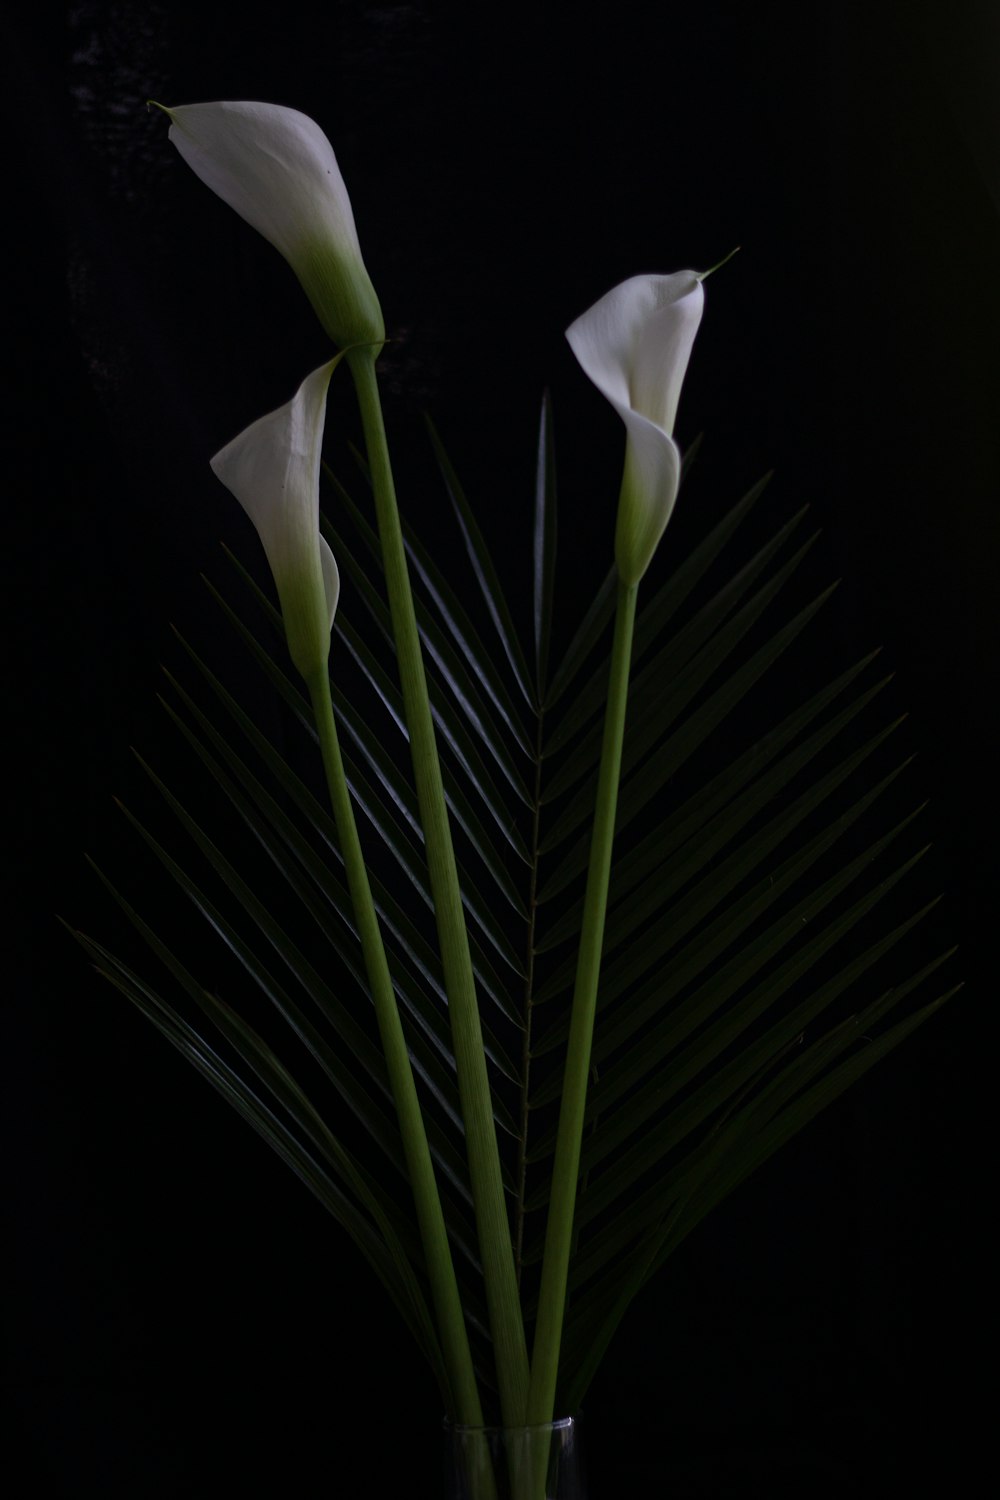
744	907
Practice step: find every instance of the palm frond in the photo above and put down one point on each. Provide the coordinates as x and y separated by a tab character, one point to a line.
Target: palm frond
754	900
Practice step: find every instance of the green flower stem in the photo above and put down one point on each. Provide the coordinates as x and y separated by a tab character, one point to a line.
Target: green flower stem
496	1250
566	1166
434	1236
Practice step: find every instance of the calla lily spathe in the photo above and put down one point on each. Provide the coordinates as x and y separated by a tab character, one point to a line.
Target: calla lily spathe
277	169
635	344
273	469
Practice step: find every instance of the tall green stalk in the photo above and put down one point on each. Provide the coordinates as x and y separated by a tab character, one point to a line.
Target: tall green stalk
452	1331
503	1303
566	1165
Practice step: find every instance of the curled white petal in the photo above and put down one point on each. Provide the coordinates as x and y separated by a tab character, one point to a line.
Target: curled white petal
273	469
650	482
331	581
277	169
634	344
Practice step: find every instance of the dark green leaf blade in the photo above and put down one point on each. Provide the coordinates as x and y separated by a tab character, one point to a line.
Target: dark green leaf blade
484	570
544	544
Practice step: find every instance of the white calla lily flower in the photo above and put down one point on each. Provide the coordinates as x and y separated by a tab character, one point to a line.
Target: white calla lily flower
277	169
635	344
273	469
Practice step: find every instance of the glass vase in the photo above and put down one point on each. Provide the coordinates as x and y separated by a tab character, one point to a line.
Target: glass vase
515	1463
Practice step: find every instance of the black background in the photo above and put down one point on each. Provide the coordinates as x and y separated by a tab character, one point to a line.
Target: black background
183	1317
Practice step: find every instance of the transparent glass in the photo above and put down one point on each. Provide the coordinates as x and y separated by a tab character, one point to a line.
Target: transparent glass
515	1463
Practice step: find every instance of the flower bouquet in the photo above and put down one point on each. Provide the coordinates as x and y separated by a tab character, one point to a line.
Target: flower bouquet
572	1007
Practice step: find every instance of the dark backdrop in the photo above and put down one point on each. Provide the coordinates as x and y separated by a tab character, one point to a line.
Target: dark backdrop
183	1316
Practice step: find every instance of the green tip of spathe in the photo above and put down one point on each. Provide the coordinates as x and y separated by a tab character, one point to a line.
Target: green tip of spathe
702	274
155	104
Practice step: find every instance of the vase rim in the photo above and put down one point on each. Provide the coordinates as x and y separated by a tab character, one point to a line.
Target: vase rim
558	1424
